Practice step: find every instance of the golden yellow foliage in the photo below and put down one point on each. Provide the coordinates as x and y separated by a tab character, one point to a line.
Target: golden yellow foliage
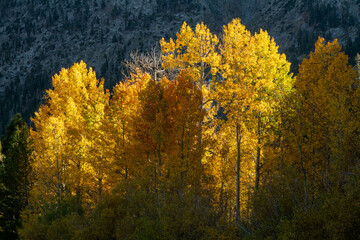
325	92
66	130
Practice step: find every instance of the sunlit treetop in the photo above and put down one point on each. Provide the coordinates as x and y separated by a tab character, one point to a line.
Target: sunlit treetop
192	49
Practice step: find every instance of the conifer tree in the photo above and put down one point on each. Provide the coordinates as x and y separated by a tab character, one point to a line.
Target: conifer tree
15	172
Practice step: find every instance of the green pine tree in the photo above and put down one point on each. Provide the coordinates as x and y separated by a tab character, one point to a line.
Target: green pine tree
14	176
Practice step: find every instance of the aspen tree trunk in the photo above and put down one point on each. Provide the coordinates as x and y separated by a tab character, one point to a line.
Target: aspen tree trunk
155	170
221	196
197	178
188	151
57	179
257	168
57	169
281	149
159	167
327	147
159	157
158	176
63	172
327	164
340	142
202	83
182	174
78	189
45	191
238	159
182	144
123	148
100	182
100	189
301	157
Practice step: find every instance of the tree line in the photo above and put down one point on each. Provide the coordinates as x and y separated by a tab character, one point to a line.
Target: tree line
213	139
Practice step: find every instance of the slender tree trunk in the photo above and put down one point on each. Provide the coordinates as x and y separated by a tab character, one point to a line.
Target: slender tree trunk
123	149
57	168
221	197
78	187
188	151
159	157
202	83
155	173
238	159
301	157
182	145
45	192
327	163
57	179
100	189
327	147
182	173
281	150
340	156
304	175
257	168
63	172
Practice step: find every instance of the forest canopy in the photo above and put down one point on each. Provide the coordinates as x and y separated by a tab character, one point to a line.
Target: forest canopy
214	138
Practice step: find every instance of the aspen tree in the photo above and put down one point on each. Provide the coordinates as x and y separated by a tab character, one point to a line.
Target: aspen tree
325	88
237	90
197	51
63	140
272	81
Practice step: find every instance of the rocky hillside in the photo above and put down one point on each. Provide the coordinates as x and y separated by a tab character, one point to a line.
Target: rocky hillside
38	37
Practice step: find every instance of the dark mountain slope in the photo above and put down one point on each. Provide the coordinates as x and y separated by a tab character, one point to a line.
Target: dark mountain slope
38	37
